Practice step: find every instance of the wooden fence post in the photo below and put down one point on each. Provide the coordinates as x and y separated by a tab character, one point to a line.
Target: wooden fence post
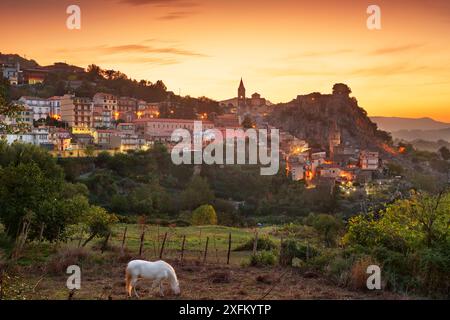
182	249
215	249
2	272
141	245
157	238
307	251
255	243
200	244
105	244
206	250
162	246
41	232
124	238
58	232
229	248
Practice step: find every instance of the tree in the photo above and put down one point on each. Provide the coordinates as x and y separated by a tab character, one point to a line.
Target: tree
204	215
196	193
94	72
328	227
89	151
10	111
99	223
445	153
421	221
32	185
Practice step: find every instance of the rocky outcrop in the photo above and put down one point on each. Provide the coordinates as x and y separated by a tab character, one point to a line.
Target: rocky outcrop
315	117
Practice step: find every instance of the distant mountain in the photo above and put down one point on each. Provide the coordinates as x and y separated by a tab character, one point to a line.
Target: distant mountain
428	135
432	146
393	124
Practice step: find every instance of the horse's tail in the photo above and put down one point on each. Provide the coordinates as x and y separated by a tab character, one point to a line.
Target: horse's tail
127	282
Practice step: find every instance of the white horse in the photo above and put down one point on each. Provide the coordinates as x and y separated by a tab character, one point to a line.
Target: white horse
157	271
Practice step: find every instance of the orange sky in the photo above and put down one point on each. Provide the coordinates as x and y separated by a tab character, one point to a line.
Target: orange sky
280	47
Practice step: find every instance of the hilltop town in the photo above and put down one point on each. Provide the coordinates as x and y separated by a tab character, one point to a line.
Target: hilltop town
322	148
99	142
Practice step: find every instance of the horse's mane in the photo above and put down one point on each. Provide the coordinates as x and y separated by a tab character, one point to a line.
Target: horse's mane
172	274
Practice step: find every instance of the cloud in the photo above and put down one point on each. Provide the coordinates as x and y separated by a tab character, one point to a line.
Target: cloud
149	49
176	15
160	3
396	49
372	71
150	60
309	54
392	69
135	48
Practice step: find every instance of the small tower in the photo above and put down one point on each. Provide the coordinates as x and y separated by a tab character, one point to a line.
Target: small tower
241	95
334	138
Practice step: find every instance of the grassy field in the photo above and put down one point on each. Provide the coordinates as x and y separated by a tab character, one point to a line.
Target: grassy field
195	243
40	270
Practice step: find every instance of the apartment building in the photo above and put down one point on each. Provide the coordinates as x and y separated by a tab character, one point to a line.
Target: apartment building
77	111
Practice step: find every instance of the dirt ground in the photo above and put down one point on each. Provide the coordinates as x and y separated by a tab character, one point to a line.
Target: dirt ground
200	282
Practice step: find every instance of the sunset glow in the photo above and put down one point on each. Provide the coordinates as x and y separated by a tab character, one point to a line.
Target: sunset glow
280	48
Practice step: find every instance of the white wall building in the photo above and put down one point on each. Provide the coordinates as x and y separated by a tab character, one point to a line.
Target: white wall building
40	106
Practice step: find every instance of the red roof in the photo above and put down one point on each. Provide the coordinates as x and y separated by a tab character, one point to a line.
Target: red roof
170	120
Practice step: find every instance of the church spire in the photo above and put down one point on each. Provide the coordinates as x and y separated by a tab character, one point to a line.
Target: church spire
241	94
241	85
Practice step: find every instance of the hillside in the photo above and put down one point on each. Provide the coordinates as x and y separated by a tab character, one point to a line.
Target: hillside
393	124
429	135
15	58
315	116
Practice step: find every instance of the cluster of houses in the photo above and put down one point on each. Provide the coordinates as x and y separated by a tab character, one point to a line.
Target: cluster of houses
105	122
109	122
341	163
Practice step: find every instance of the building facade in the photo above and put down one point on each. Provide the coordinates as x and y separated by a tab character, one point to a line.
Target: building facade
77	111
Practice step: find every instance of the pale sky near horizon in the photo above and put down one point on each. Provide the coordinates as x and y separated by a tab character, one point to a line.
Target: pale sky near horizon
281	48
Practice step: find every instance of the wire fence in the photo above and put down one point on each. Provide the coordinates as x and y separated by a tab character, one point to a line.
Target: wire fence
173	245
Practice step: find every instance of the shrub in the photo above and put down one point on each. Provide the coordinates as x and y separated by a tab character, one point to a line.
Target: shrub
294	249
338	269
64	258
204	215
263	258
358	274
264	243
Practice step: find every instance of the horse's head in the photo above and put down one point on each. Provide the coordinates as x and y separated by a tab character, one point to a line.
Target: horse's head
176	288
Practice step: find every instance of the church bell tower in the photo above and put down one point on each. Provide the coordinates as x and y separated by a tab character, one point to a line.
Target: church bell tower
241	95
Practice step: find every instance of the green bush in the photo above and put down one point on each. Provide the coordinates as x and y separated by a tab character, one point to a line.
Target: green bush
295	249
339	268
264	243
204	215
263	258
